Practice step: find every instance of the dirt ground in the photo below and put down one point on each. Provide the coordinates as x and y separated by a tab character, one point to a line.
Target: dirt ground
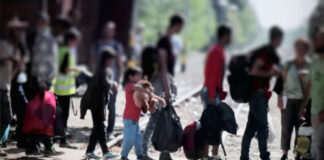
188	111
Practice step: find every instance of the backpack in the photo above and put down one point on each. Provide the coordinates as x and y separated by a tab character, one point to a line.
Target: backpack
168	133
193	141
239	78
40	114
149	61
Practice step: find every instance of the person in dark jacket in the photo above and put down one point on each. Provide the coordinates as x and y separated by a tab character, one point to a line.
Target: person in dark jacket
96	99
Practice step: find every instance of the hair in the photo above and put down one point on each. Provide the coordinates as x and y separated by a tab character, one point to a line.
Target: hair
70	36
176	19
223	30
304	42
62	22
131	71
146	84
275	32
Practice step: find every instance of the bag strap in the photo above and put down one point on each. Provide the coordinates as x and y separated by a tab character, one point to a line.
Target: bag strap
75	112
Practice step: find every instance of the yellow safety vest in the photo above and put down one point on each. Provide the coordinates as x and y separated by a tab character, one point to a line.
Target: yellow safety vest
64	84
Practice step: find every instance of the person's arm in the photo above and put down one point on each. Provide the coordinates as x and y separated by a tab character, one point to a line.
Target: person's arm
164	73
139	88
120	66
258	72
307	96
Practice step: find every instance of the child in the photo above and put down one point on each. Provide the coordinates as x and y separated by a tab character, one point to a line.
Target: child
96	99
132	113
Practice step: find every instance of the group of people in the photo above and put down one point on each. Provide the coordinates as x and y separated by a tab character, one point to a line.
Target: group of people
45	60
299	88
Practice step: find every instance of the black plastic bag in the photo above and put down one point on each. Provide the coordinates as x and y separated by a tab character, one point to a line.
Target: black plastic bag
168	133
228	119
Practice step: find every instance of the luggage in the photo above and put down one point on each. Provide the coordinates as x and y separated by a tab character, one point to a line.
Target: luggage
228	119
40	114
193	141
239	78
304	141
168	133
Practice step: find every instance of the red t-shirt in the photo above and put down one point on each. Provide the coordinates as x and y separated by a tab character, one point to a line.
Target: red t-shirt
214	71
131	111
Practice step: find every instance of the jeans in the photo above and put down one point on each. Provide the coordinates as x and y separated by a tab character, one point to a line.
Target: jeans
148	132
64	103
321	142
97	134
132	137
315	137
289	121
257	123
5	110
112	112
204	95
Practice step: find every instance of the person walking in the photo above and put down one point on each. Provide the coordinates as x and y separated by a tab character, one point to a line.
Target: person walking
163	82
212	92
96	98
64	82
264	66
314	90
289	102
108	39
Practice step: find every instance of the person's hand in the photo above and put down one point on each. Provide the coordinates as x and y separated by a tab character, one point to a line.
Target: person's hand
302	114
167	96
280	103
114	87
276	73
163	103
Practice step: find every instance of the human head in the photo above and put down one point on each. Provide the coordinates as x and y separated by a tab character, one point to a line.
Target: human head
133	75
276	36
107	55
139	28
301	47
71	39
176	23
42	20
109	30
15	29
61	25
319	41
224	34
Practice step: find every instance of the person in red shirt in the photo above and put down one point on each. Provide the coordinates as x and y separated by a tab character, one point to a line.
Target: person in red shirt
132	112
212	92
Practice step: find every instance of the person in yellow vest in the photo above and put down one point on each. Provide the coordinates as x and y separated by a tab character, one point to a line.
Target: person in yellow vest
64	83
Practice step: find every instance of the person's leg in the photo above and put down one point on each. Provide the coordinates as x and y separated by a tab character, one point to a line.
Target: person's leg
148	133
321	142
93	138
101	135
65	105
129	137
287	123
315	125
261	115
111	114
138	141
248	135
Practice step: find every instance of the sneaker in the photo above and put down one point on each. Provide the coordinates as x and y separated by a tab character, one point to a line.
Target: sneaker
110	136
216	157
68	145
123	158
109	155
146	158
284	157
52	152
3	153
92	155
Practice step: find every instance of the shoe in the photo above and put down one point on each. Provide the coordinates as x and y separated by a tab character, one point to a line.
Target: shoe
216	157
33	152
146	158
3	153
92	155
109	155
123	158
68	145
110	136
52	152
284	157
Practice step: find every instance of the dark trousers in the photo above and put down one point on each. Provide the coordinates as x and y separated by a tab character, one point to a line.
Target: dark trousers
112	113
5	111
64	103
34	141
98	134
289	121
257	123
